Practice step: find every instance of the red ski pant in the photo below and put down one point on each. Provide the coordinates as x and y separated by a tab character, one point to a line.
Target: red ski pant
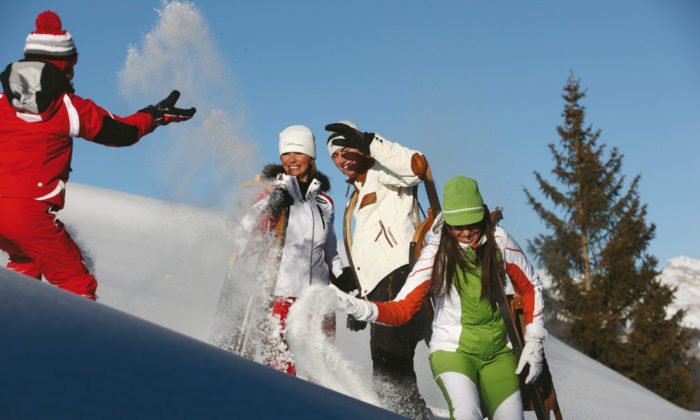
280	358
38	244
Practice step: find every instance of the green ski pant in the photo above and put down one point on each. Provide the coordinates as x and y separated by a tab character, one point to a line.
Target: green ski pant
463	378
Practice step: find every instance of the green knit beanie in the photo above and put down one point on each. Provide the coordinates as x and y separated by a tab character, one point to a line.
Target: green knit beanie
462	203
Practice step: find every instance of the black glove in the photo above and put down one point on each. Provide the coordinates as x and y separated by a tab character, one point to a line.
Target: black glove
353	138
345	281
164	112
278	200
354	325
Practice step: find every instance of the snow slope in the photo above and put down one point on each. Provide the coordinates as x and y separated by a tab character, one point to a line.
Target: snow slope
67	357
165	263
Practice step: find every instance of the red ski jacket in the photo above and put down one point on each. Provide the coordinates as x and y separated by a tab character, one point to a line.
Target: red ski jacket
39	116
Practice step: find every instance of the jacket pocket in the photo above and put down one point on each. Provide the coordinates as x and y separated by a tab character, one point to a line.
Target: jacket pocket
385	233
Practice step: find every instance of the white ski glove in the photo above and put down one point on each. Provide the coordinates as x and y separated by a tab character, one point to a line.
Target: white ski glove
361	310
533	353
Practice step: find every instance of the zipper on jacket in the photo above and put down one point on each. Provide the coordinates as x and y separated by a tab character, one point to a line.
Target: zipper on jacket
320	213
311	248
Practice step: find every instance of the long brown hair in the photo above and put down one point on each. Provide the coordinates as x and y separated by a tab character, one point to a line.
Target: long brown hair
450	257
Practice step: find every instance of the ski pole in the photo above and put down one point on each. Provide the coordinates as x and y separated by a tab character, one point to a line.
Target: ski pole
243	333
347	239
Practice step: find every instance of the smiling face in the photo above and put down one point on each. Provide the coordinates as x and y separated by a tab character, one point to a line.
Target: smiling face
467	234
350	161
298	165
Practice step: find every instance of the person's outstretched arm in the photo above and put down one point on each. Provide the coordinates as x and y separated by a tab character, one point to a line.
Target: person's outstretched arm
92	122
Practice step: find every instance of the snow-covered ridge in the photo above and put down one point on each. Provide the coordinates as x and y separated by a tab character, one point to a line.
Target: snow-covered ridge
165	263
63	346
684	274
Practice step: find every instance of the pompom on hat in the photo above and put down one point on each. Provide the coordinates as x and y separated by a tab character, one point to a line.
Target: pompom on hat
50	41
297	138
462	203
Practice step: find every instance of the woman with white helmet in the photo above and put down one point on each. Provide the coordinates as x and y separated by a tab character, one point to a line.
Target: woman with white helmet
309	255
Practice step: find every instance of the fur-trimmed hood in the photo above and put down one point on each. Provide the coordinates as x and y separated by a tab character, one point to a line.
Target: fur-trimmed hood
271	170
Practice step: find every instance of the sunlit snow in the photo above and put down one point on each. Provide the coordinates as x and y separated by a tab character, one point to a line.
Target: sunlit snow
165	263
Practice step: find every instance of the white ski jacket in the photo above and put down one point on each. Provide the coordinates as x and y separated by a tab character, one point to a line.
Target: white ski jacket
310	252
385	217
448	326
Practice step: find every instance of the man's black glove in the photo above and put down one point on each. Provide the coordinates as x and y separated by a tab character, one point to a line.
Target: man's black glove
352	137
164	112
278	200
345	281
354	325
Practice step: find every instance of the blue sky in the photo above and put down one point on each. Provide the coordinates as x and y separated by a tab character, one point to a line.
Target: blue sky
475	85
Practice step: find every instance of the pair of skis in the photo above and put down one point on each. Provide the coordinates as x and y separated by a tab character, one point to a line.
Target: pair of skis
235	329
243	336
347	238
539	397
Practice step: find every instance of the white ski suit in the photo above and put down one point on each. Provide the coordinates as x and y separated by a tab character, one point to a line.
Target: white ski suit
309	253
385	217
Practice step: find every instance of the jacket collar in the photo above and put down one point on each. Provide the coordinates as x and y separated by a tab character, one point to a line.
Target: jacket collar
271	171
292	185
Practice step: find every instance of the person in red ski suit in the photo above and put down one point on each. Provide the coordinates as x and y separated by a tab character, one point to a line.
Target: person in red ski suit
39	116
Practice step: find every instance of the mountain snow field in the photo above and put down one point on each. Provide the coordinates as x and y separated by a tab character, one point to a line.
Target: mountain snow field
143	349
684	274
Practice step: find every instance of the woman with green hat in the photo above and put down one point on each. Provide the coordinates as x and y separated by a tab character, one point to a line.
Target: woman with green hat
470	354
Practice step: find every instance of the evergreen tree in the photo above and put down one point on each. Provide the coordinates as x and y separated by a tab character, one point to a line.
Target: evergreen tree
610	303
